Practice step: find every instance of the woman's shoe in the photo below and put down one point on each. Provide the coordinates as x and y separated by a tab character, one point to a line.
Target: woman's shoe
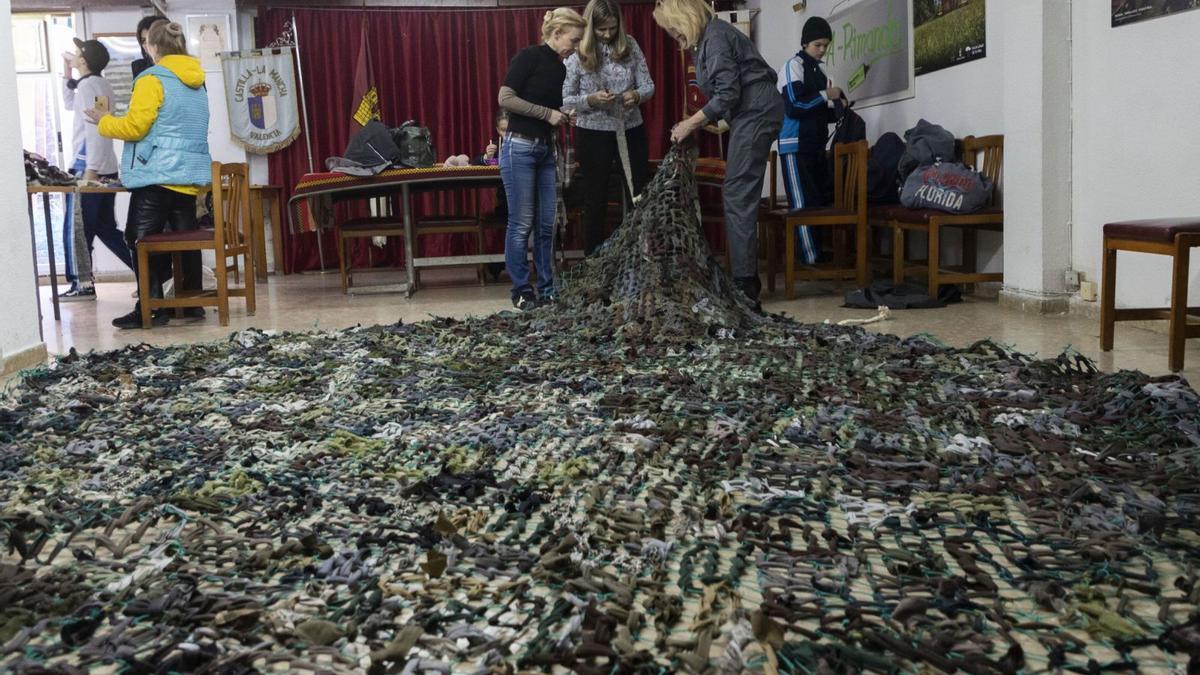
134	319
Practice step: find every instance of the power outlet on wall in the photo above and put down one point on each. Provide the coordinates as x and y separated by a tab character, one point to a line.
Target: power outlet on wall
1071	279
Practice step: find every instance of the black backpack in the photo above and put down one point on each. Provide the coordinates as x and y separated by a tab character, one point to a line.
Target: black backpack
883	180
415	143
850	127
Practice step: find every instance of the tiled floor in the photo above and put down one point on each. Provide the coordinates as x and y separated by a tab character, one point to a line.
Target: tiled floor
315	301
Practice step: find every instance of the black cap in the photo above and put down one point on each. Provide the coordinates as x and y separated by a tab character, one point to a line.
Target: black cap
815	29
94	53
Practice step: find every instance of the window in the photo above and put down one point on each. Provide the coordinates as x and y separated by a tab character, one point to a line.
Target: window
39	41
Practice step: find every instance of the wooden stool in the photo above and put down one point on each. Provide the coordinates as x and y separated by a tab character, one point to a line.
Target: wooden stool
265	199
1165	236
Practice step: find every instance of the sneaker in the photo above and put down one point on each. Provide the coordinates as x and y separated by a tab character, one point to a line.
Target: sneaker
193	312
550	298
78	292
525	302
134	319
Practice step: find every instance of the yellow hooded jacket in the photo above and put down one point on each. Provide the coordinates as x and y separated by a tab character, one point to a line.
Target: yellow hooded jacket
147	99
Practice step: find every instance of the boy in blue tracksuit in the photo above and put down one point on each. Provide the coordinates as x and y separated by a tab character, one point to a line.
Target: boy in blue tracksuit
808	97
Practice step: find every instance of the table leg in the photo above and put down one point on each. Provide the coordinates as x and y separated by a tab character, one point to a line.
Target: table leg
276	232
408	241
50	249
37	295
258	236
321	248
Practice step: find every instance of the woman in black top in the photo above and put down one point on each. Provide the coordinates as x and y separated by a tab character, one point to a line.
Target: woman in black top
532	94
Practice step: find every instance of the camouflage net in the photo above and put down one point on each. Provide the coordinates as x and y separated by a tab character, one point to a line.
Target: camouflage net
562	490
655	278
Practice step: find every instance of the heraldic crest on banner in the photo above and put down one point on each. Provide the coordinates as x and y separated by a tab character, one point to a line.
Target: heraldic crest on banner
260	93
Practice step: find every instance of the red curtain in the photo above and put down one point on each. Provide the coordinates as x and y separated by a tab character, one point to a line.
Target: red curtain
442	67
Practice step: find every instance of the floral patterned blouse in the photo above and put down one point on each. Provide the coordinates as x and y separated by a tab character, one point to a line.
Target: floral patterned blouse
616	77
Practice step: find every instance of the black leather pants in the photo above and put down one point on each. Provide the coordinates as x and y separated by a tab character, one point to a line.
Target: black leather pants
154	209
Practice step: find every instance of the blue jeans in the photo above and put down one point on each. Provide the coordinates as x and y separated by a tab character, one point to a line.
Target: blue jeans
530	181
68	226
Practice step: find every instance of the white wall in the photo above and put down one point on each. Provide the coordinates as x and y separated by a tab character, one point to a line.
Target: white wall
1037	159
18	293
1136	135
221	145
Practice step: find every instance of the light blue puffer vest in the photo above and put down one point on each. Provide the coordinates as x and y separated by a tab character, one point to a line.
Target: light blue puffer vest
175	150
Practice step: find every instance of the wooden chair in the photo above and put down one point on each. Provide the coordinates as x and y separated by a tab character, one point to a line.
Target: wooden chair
230	238
1175	237
984	154
453	217
490	222
383	224
848	214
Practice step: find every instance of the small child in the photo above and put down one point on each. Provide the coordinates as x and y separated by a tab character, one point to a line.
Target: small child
808	96
491	154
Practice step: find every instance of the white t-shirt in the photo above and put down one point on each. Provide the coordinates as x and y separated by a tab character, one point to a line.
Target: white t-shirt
100	156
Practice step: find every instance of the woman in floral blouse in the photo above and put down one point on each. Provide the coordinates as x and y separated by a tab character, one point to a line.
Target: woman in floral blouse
607	80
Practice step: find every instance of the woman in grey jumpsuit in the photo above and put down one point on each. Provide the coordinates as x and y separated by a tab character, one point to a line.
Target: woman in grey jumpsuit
740	87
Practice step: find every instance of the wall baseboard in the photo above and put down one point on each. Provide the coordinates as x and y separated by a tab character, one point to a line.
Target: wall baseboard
26	358
1035	302
1085	309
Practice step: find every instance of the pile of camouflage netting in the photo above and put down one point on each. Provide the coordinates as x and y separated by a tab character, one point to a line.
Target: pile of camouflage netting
647	478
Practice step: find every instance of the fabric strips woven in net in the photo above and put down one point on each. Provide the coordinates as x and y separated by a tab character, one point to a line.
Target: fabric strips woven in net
644	478
655	277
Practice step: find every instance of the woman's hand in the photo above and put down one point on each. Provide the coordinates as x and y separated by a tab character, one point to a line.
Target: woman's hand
557	117
600	99
490	151
93	115
680	132
631	98
834	93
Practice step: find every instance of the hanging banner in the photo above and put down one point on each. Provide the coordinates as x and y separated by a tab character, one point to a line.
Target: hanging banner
871	56
260	94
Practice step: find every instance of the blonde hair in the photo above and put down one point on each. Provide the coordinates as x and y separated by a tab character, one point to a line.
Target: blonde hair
686	17
557	20
167	38
597	12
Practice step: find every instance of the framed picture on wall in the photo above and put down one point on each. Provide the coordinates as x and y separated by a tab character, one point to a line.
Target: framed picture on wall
1125	12
871	56
948	32
123	50
208	35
